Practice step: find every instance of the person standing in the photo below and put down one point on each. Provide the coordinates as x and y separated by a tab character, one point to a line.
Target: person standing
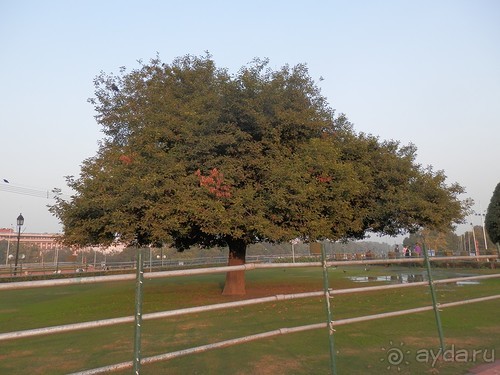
417	250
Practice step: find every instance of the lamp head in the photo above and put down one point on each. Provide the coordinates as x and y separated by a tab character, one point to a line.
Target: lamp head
20	220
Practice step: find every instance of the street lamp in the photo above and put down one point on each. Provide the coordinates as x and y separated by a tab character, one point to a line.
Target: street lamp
20	223
481	215
476	247
294	242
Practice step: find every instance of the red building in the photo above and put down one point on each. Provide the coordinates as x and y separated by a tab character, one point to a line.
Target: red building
44	241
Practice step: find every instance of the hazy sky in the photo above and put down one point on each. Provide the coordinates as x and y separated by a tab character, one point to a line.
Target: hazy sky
425	72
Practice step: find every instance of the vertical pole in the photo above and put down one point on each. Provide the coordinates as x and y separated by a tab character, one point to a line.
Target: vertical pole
484	236
150	260
329	317
138	312
468	243
17	249
56	260
481	215
474	239
433	294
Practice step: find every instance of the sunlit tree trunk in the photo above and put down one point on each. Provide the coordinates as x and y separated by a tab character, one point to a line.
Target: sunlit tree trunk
235	280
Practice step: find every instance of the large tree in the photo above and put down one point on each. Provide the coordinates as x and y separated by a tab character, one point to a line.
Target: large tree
492	218
194	155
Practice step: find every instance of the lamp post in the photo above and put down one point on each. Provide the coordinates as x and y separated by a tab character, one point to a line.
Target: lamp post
476	248
294	242
20	223
481	215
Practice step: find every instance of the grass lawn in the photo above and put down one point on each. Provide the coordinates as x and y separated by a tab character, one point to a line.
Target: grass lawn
362	348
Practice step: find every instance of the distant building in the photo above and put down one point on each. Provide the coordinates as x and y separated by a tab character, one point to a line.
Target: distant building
44	241
49	241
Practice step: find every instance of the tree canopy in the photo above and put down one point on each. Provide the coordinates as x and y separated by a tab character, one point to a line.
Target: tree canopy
492	218
195	155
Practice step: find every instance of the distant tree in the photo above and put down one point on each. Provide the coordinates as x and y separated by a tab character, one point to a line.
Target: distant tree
453	243
492	218
195	156
435	240
4	245
443	241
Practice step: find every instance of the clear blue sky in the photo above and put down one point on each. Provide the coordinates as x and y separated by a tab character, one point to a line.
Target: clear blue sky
426	72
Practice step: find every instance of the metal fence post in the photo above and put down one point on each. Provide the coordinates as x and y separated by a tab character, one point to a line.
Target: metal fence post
434	300
329	317
138	312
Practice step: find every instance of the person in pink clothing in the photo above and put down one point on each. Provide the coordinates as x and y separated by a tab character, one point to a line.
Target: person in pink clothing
417	250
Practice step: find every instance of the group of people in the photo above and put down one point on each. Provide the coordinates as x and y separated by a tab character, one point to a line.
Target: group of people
408	252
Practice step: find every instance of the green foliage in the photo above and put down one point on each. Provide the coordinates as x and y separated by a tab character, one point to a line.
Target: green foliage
30	252
492	219
194	155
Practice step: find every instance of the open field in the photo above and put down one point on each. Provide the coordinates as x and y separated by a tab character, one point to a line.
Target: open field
362	348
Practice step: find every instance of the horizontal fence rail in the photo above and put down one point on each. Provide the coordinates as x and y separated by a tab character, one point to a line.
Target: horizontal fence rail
202	348
220	306
211	270
46	268
328	293
277	332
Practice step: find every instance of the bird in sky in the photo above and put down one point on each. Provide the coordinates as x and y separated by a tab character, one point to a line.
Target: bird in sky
6	181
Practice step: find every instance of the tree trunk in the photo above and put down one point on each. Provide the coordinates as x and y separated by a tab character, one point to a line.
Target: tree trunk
235	280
